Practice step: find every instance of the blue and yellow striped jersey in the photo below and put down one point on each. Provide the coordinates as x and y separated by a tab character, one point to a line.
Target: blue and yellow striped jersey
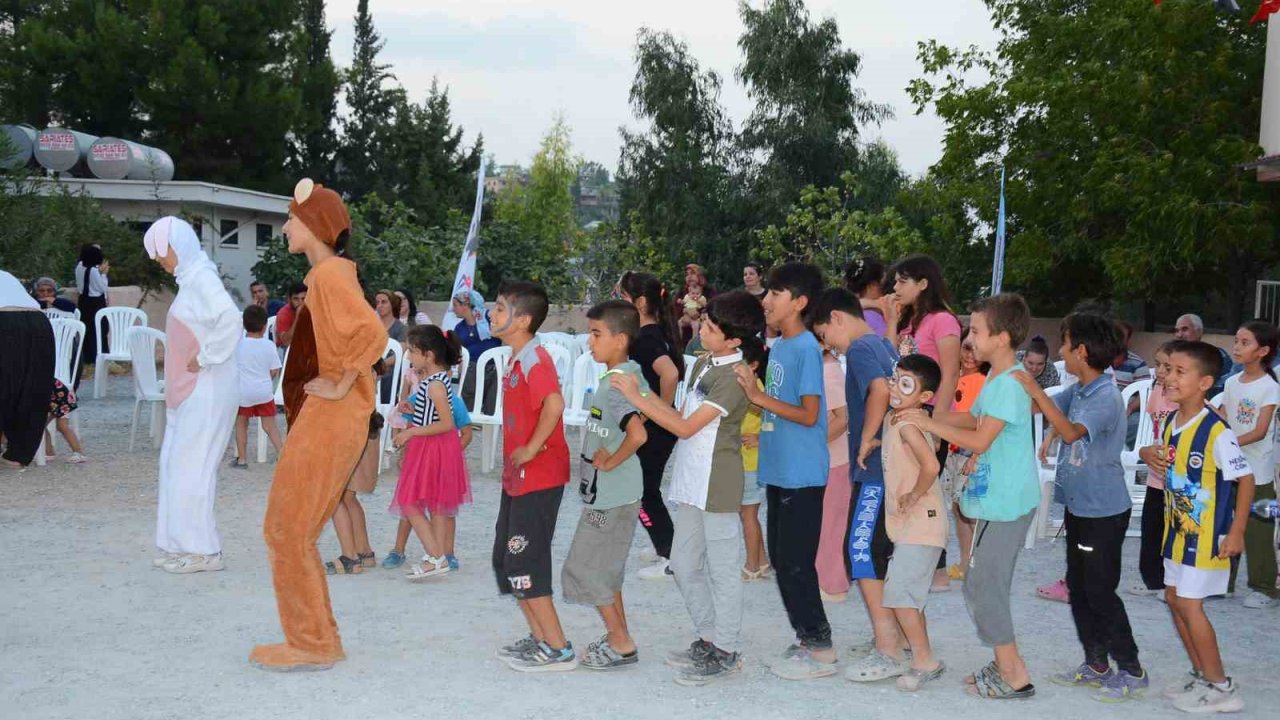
1199	495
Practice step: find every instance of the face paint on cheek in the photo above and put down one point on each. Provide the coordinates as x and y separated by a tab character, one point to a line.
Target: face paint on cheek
511	318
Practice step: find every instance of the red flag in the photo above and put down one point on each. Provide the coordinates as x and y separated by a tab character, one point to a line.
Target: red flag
1264	10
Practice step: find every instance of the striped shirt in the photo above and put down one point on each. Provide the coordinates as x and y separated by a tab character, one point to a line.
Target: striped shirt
1199	496
425	411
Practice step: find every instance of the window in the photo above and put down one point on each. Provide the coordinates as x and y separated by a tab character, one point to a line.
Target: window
229	231
264	235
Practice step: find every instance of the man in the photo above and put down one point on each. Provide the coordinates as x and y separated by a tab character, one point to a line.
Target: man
1190	327
258	295
289	313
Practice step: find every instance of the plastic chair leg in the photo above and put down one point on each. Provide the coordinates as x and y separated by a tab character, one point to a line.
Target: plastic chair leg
262	442
99	378
133	426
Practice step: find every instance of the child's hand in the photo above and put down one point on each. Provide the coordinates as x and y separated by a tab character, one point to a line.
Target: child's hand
890	309
600	460
750	440
915	416
907	500
400	438
1232	545
522	455
626	384
865	451
1155	457
1044	450
404	408
970	465
747	379
324	389
1027	382
193	365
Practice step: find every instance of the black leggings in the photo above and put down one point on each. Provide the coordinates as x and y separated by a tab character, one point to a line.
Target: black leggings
1150	560
654	515
26	382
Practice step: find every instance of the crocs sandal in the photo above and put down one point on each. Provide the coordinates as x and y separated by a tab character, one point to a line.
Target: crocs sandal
343	566
874	667
955	572
368	559
1055	591
989	684
913	679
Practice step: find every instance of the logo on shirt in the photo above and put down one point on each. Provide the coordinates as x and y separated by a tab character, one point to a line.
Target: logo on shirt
1238	463
513	380
1195	460
1247	412
516	544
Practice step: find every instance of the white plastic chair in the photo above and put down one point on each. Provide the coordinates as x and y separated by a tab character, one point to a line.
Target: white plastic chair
563	360
490	423
147	385
56	314
388	409
68	344
586	379
569	343
1048	474
460	370
118	321
271	328
682	388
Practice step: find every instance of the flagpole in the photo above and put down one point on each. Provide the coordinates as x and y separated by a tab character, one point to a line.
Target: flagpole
997	267
464	278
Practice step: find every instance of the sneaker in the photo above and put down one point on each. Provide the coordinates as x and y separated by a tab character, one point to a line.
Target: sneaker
687	658
1083	676
519	648
185	564
1122	686
1207	697
1142	590
713	666
545	658
801	666
165	559
453	562
76	458
393	560
660	570
1183	686
1257	601
601	656
649	556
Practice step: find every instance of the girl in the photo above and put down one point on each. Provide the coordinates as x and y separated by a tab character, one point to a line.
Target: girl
1249	405
657	350
973	375
1150	561
1035	358
92	282
433	476
757	567
864	277
833	564
348	519
61	405
409	313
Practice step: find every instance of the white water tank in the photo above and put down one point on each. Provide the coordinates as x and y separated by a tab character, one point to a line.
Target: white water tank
62	150
115	159
22	142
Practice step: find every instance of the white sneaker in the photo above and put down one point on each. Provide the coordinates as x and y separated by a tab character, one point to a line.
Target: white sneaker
1207	697
1184	685
648	556
660	570
76	458
193	564
164	559
1258	601
802	666
1142	590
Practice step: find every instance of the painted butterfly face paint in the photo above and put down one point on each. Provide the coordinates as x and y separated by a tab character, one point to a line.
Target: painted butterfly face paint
902	386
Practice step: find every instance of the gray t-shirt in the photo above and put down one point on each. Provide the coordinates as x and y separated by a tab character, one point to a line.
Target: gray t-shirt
1090	476
606	428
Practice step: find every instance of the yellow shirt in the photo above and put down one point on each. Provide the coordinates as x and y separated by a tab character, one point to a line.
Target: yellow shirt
751	426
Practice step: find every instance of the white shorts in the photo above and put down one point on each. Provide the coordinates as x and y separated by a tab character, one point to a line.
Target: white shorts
1195	583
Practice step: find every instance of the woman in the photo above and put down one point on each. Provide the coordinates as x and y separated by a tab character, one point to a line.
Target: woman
92	282
864	277
46	293
26	372
328	434
753	280
201	396
409	314
387	305
473	333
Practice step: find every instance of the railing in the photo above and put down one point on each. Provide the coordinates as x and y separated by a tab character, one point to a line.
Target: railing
1267	303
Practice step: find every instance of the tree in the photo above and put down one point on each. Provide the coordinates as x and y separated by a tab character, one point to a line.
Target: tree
364	161
313	142
433	172
1121	126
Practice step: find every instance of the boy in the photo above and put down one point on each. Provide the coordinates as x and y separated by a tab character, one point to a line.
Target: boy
1003	491
706	485
915	516
610	486
1089	416
1201	459
258	365
870	359
794	465
535	469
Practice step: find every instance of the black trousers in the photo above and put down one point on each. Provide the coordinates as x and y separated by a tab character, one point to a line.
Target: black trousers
26	382
654	515
1093	573
1150	559
794	519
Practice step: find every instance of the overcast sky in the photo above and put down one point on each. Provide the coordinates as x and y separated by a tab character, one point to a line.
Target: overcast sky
511	65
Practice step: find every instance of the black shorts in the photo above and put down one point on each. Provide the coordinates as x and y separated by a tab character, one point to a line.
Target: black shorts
868	555
522	542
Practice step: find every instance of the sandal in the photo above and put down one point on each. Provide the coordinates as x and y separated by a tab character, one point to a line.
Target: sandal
1055	591
368	559
913	679
876	666
429	567
343	566
955	572
989	684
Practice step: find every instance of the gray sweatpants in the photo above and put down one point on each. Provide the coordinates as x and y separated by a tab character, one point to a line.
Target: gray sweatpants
989	579
706	559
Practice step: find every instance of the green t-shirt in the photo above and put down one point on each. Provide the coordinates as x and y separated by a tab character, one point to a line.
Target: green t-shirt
607	420
1005	485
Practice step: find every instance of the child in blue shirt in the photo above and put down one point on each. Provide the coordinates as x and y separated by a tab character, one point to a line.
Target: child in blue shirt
794	465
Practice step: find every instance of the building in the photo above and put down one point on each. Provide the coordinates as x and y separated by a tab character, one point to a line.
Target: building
234	224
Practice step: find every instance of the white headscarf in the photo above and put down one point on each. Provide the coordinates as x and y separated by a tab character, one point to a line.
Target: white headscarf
12	294
172	233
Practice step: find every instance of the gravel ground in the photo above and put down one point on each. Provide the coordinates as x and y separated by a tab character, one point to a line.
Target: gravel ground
92	631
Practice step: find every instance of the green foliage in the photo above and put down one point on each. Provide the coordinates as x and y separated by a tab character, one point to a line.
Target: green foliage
313	142
365	158
430	169
610	250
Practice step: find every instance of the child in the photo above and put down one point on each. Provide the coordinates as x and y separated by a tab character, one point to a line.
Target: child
1249	405
62	404
838	318
433	476
348	518
833	562
757	566
1204	523
1003	491
1035	358
1150	564
706	484
610	486
794	465
915	516
535	469
1089	416
973	375
258	364
695	303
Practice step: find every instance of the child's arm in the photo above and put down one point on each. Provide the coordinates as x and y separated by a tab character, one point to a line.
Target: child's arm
440	398
837	423
664	414
873	419
927	459
806	413
1067	430
977	440
552	410
636	436
1233	544
1260	431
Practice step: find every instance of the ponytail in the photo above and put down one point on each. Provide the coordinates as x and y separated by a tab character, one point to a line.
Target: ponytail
1267	336
658	304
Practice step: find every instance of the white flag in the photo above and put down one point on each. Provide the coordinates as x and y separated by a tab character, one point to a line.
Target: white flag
465	278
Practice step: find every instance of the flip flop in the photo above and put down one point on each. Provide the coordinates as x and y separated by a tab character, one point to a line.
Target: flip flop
913	679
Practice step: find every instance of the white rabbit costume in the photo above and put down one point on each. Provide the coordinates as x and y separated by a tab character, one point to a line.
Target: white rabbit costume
203	323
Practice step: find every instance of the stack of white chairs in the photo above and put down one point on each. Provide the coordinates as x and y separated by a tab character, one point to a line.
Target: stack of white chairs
388	409
148	387
118	321
68	343
584	381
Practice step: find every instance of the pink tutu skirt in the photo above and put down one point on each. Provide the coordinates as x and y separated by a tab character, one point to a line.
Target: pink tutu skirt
433	477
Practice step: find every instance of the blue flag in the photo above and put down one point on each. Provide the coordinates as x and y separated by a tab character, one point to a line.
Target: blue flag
997	268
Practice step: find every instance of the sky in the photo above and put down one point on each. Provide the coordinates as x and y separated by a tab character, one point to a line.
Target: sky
512	65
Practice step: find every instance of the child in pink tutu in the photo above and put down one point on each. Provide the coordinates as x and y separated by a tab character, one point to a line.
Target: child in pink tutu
433	476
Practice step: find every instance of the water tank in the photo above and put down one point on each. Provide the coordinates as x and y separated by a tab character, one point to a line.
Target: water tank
22	138
62	150
115	159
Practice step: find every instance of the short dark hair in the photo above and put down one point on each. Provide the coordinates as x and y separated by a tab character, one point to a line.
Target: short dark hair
1204	355
738	314
255	318
923	367
296	288
256	283
620	316
1005	313
1099	335
755	266
832	300
799	279
526	298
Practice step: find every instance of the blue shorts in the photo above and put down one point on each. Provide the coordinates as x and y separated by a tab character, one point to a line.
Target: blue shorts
752	492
